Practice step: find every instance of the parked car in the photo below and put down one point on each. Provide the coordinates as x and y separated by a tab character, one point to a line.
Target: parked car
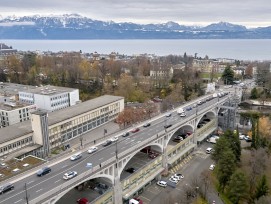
82	201
167	126
135	130
162	183
248	139
173	180
76	156
176	177
130	170
212	167
242	137
179	175
69	175
6	187
44	171
147	125
92	149
114	139
125	134
177	139
107	142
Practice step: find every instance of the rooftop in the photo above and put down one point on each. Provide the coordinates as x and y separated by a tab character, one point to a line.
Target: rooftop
15	131
9	106
72	111
49	90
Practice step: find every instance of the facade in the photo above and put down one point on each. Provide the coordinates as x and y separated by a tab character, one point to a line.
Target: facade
50	98
50	130
14	112
205	65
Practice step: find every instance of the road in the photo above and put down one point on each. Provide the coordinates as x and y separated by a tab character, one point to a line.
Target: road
38	185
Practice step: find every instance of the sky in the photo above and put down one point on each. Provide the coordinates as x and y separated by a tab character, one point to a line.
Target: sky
250	13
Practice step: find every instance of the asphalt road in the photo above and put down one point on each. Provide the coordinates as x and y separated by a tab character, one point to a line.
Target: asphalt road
38	185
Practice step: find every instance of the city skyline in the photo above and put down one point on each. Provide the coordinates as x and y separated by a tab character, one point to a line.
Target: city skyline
200	13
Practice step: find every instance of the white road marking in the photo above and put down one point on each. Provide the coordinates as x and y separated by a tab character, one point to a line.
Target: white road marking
18	201
39	190
30	182
64	166
102	158
57	180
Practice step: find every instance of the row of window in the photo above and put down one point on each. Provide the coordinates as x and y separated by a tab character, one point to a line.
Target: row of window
59	97
59	103
18	144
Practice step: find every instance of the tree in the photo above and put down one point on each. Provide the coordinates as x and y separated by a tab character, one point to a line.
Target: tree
228	75
221	146
237	188
226	167
254	93
234	142
262	188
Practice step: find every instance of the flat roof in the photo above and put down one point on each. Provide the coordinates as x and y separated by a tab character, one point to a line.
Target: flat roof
15	131
49	90
72	111
9	106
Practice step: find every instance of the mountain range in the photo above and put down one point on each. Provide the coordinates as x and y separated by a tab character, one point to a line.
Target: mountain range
74	26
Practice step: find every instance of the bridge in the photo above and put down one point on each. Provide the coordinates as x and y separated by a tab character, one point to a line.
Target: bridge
109	162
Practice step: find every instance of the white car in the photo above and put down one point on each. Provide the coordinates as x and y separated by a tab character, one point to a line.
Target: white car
212	167
92	149
242	137
175	177
76	156
114	139
182	114
168	114
69	175
162	183
179	175
173	180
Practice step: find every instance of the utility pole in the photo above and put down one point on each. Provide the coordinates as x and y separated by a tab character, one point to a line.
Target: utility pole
26	195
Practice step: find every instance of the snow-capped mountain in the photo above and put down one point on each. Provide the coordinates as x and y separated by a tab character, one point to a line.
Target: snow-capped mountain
74	26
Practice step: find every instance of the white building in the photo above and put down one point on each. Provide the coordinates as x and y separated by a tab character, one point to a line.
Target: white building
12	113
50	98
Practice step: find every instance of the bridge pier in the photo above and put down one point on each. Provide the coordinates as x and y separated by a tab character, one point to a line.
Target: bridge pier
165	161
117	185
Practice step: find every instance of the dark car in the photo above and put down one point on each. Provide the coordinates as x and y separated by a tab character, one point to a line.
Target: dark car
125	134
135	130
167	126
207	119
106	143
44	171
130	170
177	139
5	188
188	108
146	125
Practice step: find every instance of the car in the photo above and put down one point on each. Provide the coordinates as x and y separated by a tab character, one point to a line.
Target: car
82	201
167	126
248	139
179	175
242	137
173	180
200	125
147	125
130	170
43	171
162	183
199	103
168	114
114	139
188	108
69	175
176	177
125	134
212	167
107	142
209	150
153	155
195	105
189	133
206	119
76	156
6	187
92	149
177	139
182	114
135	130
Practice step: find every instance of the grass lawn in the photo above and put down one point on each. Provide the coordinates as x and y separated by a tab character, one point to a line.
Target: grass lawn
207	75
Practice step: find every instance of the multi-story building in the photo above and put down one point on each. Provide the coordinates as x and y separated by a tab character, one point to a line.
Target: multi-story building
50	98
205	65
14	112
49	130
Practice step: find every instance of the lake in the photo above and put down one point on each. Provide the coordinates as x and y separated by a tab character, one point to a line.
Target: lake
242	49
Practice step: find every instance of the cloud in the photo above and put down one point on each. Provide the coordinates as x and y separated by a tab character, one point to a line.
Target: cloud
149	11
17	24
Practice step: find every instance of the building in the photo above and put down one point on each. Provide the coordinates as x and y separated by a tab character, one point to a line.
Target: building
206	65
46	130
50	98
6	51
14	112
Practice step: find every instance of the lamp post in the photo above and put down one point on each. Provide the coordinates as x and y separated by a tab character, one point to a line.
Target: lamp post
26	194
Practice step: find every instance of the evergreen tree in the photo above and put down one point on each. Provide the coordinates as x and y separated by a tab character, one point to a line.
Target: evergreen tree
262	188
226	167
235	144
228	75
238	187
254	93
221	146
